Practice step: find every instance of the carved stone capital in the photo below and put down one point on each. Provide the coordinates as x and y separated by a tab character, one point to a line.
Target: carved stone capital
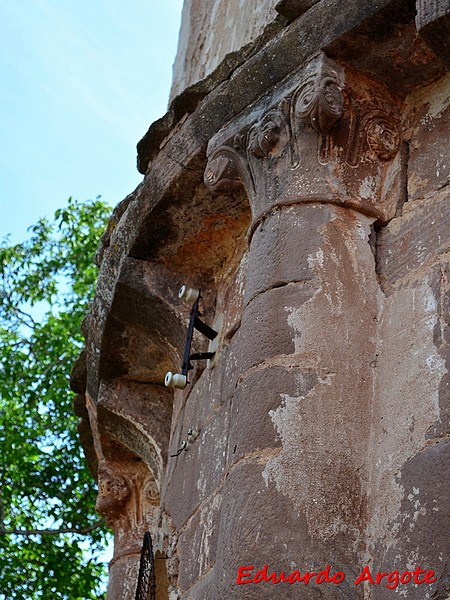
113	494
128	497
330	135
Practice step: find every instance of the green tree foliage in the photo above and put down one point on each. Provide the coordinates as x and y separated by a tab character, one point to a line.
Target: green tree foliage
46	491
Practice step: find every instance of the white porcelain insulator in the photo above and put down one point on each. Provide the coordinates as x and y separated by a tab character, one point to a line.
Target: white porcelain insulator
193	434
188	294
175	380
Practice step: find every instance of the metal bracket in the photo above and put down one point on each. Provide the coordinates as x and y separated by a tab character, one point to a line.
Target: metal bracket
180	380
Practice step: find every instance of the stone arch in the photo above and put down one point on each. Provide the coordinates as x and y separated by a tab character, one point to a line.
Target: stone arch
135	334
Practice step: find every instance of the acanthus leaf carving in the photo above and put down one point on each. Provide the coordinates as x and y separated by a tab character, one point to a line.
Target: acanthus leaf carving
319	100
228	169
264	136
372	130
221	173
305	141
383	136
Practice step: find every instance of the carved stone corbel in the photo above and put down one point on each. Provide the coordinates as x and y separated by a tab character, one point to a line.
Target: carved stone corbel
128	496
226	170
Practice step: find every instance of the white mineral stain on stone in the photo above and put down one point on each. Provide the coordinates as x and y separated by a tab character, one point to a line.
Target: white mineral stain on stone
409	371
416	184
431	306
419	511
208	519
315	260
412	560
434	364
294	321
440	99
201	484
363	227
367	189
283	417
388	182
241	273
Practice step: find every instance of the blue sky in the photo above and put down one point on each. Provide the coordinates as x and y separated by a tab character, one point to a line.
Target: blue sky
80	82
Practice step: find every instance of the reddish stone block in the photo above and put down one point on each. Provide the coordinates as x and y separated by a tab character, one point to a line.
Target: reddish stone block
143	423
123	577
204	588
252	428
265	332
258	526
282	247
416	239
429	146
197	543
196	473
421	526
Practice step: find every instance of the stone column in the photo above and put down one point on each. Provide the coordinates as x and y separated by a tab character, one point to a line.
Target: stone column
320	165
129	498
128	494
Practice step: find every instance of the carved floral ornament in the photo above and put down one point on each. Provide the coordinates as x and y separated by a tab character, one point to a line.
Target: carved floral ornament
349	129
133	495
383	136
320	101
113	493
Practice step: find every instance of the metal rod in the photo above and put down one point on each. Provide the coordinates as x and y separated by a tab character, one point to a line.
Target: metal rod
205	329
146	585
202	355
186	366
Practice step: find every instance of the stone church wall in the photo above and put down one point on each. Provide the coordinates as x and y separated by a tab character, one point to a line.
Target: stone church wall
303	187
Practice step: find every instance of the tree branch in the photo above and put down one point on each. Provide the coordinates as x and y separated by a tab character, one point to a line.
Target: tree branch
24	314
27	532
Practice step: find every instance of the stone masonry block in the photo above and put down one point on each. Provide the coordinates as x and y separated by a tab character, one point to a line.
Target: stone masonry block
416	239
429	147
282	247
265	332
195	474
255	398
258	526
204	589
433	24
197	543
421	524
